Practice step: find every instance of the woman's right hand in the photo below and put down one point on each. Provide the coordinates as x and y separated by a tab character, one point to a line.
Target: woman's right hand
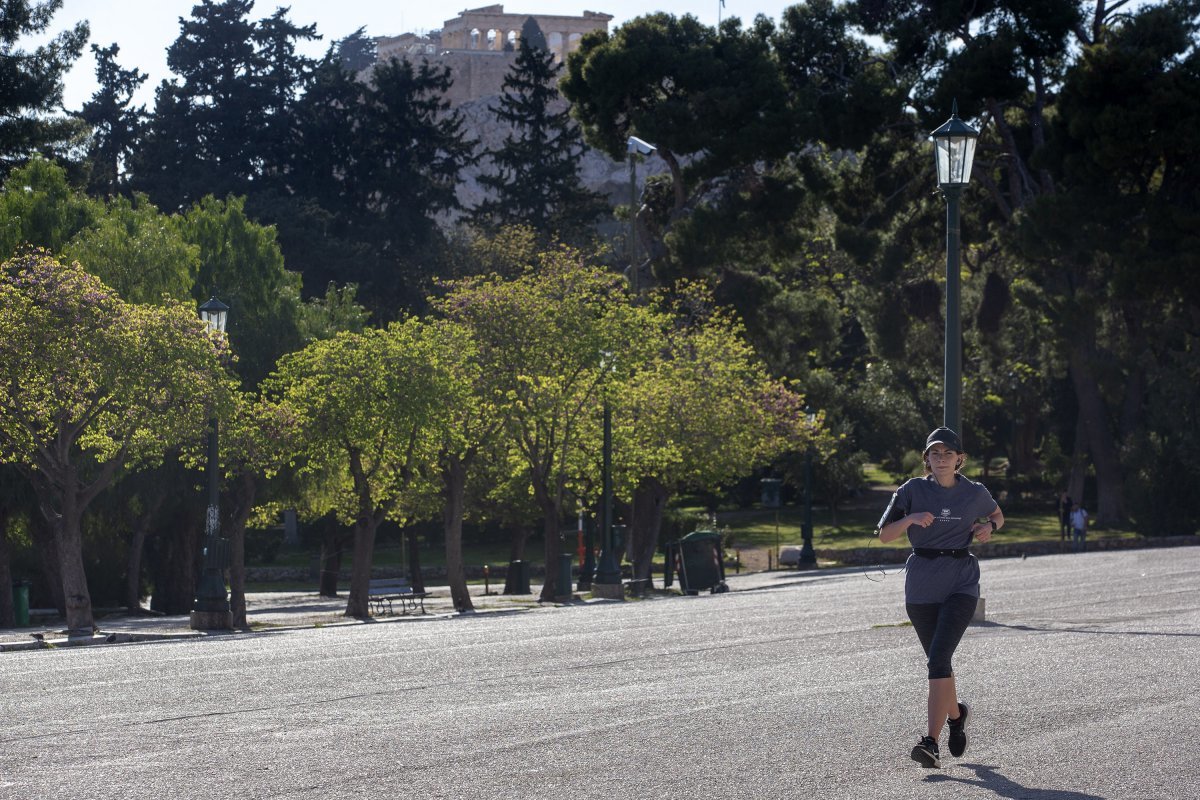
922	518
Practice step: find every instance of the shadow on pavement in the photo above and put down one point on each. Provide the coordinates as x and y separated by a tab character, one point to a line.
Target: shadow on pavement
989	778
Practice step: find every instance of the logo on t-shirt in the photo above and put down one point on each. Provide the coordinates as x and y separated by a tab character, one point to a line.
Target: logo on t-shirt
945	512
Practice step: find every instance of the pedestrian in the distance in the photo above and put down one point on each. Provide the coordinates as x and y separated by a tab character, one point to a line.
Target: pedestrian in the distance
941	513
1079	526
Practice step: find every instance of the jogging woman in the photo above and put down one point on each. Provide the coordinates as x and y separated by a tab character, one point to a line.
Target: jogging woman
941	513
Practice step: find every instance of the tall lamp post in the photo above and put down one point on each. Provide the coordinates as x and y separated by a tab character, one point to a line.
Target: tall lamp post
634	147
607	582
211	608
953	151
808	556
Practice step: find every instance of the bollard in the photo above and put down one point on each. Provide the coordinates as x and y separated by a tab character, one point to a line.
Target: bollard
737	562
769	567
487	586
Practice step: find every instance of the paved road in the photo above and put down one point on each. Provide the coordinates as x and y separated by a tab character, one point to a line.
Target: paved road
797	685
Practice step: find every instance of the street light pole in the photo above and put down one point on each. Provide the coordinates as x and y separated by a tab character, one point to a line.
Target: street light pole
211	607
808	556
952	414
954	151
634	146
607	582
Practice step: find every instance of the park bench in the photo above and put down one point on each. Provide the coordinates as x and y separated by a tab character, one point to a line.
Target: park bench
382	591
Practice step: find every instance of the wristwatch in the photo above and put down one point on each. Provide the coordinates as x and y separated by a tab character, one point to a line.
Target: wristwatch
994	525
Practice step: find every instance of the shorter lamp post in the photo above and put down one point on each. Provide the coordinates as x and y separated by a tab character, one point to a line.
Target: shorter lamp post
808	556
633	147
953	152
607	581
211	608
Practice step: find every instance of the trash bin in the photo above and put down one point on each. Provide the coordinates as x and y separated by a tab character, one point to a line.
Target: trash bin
563	585
697	559
517	580
618	538
20	593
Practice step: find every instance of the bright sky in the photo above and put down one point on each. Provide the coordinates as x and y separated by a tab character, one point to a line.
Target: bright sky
145	28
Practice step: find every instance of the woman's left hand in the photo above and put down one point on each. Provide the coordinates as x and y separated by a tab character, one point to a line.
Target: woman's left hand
982	531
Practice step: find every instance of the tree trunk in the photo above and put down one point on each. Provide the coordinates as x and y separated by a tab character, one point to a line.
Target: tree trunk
8	612
176	572
68	535
649	502
331	560
516	552
137	543
454	489
237	544
358	604
1110	502
550	550
1078	474
47	550
416	577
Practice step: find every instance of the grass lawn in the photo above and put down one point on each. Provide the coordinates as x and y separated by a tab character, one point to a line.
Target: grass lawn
855	527
753	528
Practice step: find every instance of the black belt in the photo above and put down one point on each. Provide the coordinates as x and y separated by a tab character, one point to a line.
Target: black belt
931	552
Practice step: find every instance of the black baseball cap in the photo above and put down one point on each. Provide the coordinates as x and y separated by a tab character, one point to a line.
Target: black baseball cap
944	436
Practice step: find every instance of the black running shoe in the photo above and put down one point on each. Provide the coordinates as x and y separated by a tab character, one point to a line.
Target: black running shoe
926	753
958	731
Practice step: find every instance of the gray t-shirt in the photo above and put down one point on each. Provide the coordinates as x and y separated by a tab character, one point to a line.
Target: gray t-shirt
955	510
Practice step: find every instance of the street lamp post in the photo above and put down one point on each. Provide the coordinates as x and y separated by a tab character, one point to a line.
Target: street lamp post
211	608
808	556
607	582
633	147
953	151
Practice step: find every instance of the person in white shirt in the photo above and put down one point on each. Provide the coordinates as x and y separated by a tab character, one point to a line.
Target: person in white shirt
1079	524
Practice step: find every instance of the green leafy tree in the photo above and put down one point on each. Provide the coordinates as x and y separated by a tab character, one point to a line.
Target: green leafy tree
256	443
39	208
94	385
31	83
371	410
536	178
543	336
241	263
1110	248
137	250
116	127
474	430
700	413
713	97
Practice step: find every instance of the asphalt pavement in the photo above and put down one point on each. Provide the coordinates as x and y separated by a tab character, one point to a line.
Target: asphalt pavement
792	685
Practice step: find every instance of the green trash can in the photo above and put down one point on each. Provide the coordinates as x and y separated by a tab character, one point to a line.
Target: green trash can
562	587
20	593
699	562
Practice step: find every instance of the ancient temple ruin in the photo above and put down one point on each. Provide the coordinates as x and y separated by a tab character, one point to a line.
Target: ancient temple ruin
479	45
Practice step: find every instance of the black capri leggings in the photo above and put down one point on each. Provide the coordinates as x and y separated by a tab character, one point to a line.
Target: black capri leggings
940	627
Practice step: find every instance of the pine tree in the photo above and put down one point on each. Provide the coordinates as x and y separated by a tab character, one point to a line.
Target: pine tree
115	126
536	179
203	132
31	83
